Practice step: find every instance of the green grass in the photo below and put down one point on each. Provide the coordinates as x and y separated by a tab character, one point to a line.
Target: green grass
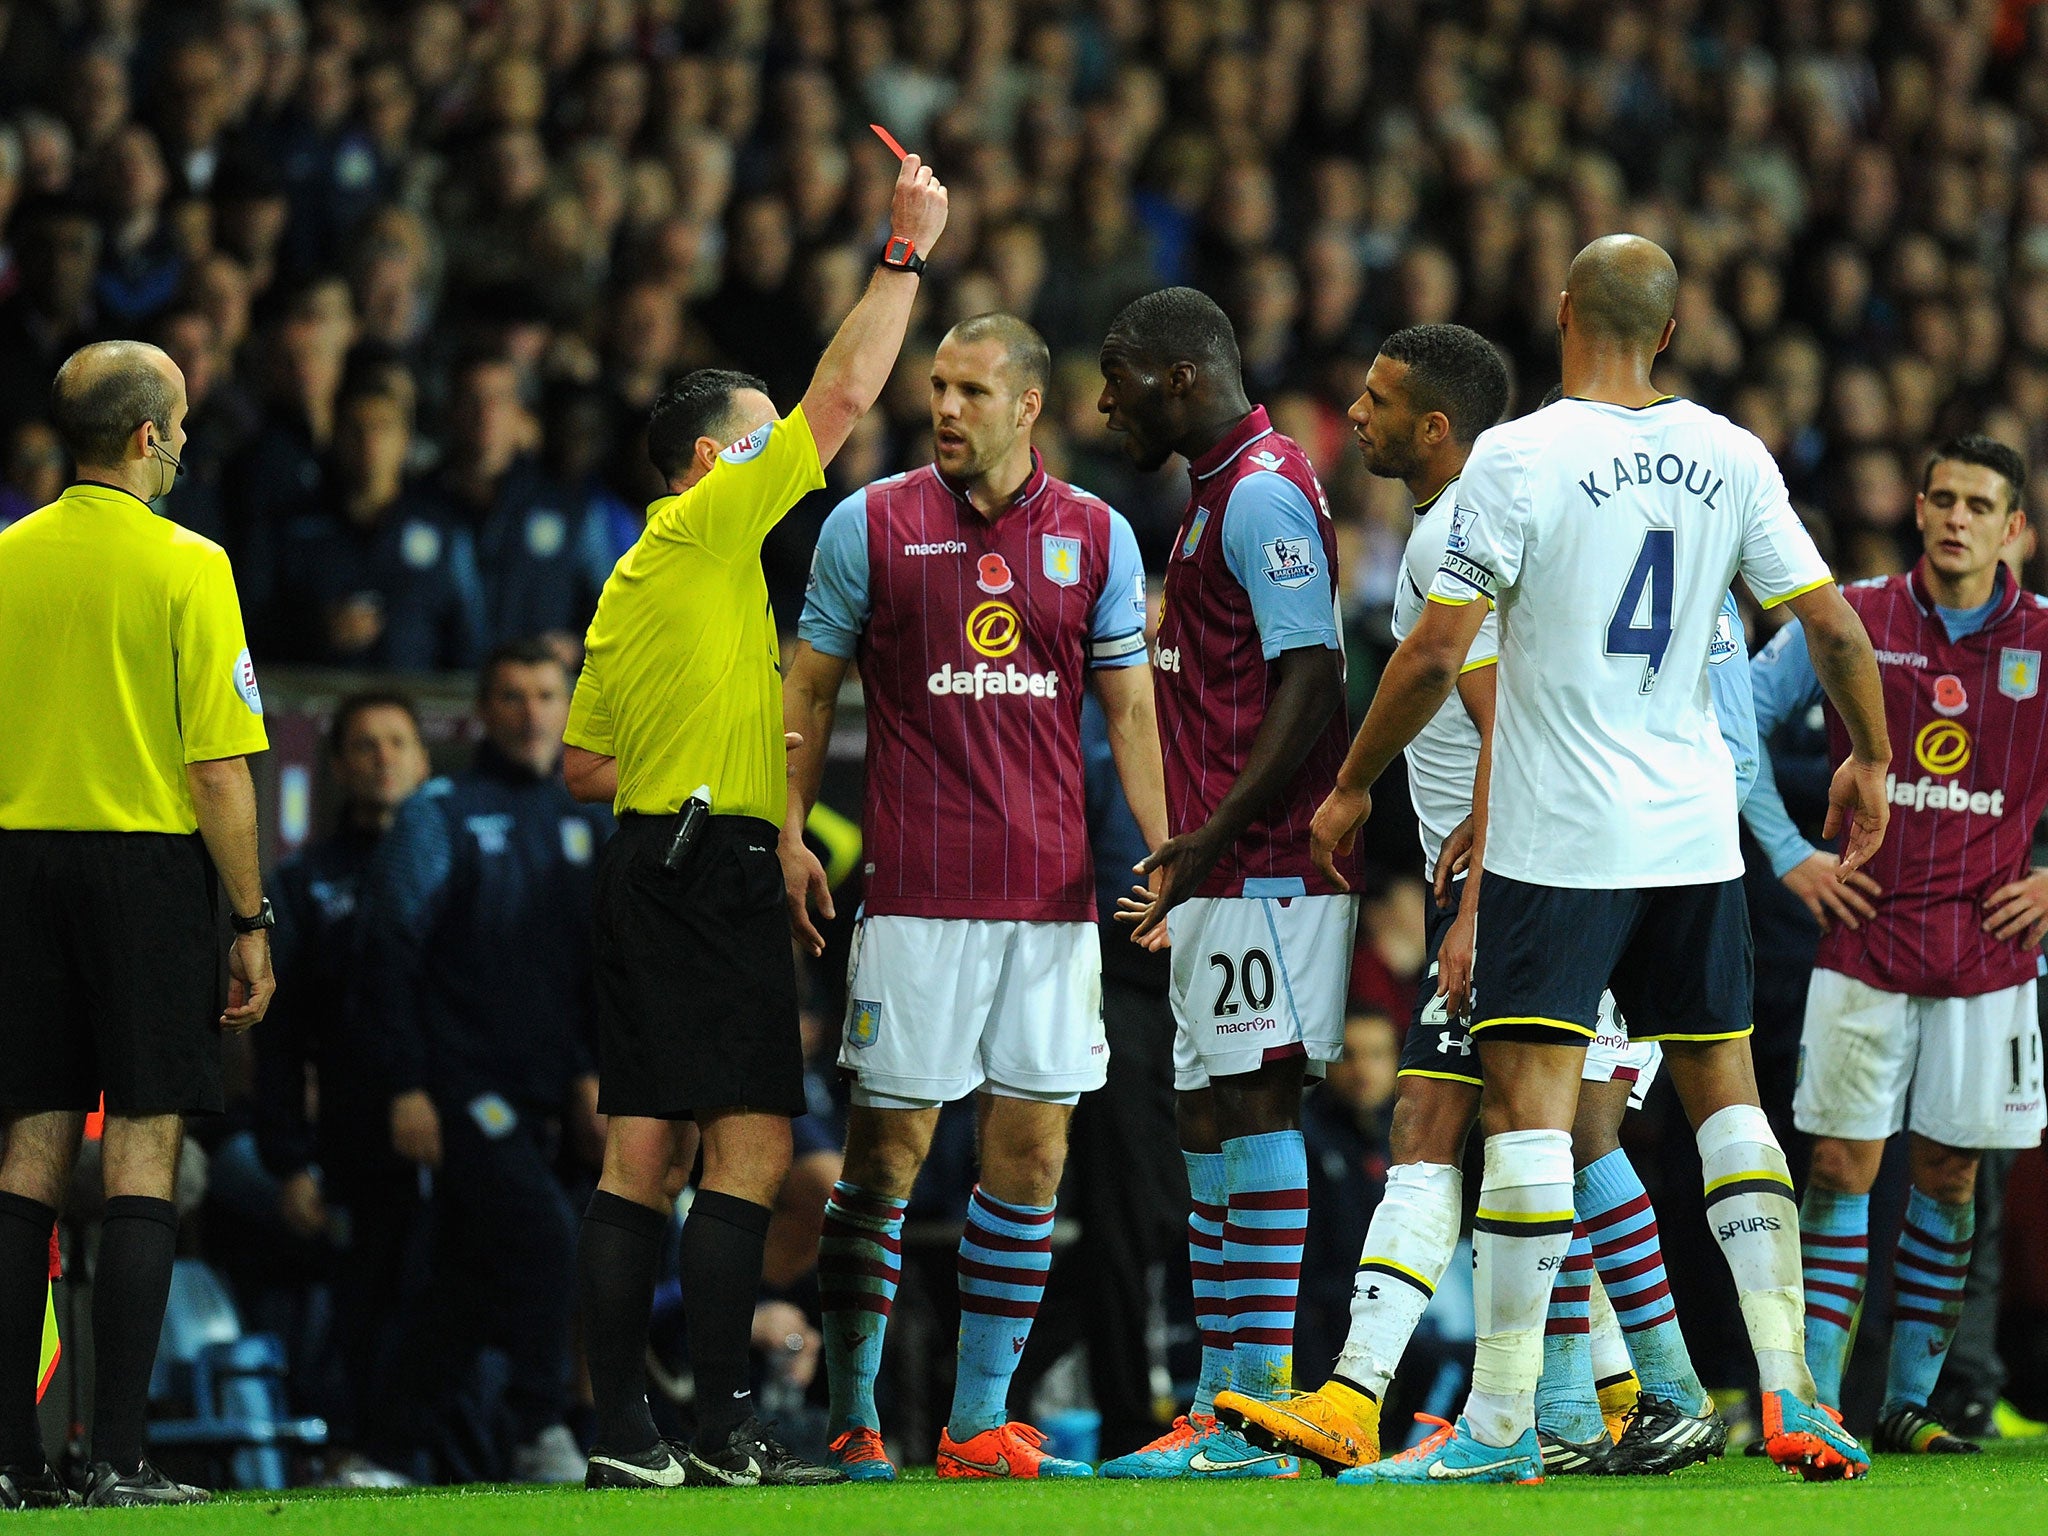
2004	1491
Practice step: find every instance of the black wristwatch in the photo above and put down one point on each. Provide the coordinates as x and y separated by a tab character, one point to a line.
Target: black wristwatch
899	255
265	917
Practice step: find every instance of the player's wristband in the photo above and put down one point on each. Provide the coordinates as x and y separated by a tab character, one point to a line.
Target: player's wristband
899	255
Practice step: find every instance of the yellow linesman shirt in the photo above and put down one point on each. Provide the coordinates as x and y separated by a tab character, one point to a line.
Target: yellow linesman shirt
122	659
680	677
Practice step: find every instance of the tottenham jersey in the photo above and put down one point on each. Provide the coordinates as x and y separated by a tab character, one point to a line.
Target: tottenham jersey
1606	538
1444	755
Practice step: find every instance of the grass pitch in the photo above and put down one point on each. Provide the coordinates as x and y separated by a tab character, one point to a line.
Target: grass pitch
2002	1491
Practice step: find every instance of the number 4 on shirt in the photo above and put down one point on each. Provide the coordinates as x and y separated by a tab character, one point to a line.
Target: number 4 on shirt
1641	625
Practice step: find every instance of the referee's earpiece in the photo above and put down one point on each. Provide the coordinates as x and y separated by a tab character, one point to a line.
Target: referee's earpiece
156	447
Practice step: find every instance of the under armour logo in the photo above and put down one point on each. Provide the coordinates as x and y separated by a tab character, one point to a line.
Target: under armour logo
1446	1043
1372	1293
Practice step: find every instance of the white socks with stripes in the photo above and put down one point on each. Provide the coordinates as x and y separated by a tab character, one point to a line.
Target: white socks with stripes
1750	1208
1519	1240
1407	1248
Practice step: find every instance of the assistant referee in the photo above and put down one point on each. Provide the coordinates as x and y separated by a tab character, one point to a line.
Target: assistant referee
696	982
125	808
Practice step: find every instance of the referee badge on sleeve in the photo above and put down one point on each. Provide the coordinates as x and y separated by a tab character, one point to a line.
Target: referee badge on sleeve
245	682
863	1023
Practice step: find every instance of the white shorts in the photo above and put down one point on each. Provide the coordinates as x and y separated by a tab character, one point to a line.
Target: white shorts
937	1007
1614	1058
1970	1065
1258	979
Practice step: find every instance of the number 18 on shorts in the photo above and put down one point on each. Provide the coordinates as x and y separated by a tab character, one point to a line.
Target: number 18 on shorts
1258	979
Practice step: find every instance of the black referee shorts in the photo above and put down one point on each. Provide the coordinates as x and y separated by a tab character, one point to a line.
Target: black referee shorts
113	973
696	980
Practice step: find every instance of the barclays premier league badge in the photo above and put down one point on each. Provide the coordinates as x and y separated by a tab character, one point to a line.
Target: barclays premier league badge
2019	673
1288	564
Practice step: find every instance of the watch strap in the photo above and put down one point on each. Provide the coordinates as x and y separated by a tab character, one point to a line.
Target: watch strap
900	255
265	917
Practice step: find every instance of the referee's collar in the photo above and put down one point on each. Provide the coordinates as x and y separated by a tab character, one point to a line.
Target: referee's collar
100	491
1033	484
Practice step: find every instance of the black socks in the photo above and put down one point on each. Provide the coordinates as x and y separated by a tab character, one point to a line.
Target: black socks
138	1241
617	1262
722	1247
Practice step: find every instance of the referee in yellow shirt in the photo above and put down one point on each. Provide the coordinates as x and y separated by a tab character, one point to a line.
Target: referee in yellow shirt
696	981
125	808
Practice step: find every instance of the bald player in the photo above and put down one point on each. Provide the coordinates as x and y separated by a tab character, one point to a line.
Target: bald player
1605	530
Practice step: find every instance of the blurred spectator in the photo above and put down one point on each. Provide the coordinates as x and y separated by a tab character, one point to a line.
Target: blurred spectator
369	576
33	470
542	556
51	312
320	1113
473	1000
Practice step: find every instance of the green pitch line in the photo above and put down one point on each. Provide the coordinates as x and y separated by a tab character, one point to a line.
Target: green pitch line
2004	1491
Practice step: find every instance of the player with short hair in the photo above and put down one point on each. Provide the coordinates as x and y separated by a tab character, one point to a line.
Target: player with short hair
1925	981
1250	669
1429	394
1605	530
976	595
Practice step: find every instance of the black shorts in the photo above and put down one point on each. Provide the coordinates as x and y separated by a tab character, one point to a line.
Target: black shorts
1677	959
1437	1044
113	973
696	980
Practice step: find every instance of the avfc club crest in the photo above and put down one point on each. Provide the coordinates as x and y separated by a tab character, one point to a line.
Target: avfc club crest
863	1023
1062	561
2019	673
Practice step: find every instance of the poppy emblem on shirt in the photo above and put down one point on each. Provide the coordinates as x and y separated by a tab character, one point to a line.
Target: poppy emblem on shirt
992	574
1950	697
863	1024
2019	673
419	545
1062	561
546	532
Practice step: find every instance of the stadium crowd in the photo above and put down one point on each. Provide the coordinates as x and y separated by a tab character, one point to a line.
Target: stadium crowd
426	266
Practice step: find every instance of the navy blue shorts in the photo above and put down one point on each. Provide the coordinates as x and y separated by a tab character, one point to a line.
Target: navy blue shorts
1437	1044
1677	959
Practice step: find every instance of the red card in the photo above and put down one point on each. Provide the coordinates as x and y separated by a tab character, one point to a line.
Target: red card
888	139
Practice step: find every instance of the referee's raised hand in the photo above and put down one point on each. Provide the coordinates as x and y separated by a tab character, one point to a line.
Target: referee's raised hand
918	211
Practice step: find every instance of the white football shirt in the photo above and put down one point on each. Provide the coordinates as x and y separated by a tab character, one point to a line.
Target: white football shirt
1444	755
1607	537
